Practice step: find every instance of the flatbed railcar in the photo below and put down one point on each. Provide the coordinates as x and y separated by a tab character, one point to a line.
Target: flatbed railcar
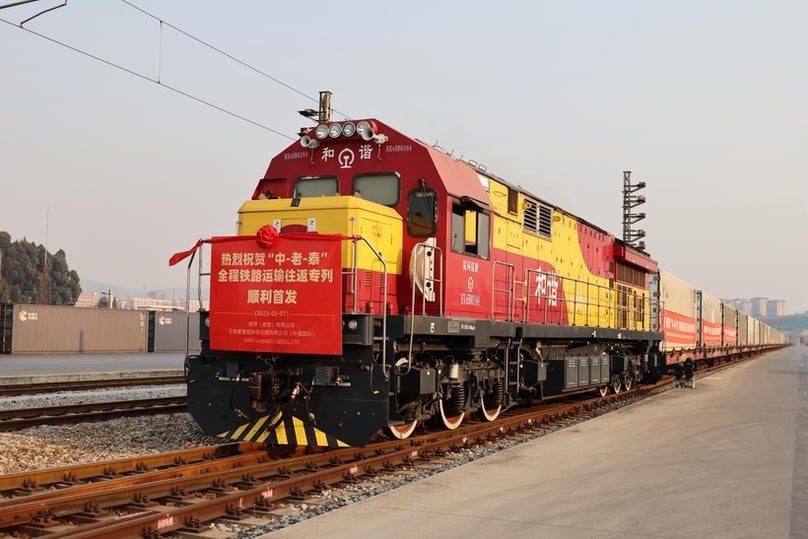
376	282
703	328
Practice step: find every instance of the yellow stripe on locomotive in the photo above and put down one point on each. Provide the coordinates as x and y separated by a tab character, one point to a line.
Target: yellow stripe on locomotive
347	215
589	299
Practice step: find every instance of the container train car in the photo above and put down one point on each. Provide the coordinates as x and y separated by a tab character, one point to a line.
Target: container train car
376	282
699	326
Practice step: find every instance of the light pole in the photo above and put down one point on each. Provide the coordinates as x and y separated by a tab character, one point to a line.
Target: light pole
631	201
108	294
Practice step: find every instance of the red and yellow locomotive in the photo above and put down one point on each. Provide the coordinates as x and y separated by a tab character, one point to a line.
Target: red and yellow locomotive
377	282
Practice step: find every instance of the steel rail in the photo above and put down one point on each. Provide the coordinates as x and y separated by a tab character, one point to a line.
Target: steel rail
79	413
33	388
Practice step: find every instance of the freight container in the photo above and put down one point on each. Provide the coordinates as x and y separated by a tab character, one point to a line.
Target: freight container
60	329
743	329
729	325
708	315
677	312
754	331
169	332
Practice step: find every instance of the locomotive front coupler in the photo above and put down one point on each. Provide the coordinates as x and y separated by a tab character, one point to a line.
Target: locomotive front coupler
258	389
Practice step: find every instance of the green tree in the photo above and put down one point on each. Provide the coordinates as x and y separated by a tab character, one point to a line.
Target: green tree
30	274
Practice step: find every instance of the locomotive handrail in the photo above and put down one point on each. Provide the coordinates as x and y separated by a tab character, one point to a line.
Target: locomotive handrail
380	256
510	274
536	294
199	275
597	303
438	254
354	272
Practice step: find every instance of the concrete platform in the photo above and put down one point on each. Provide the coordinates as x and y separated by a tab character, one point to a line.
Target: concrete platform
728	459
24	369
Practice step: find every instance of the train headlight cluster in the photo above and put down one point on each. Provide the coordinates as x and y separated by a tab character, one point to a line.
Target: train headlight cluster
345	129
335	130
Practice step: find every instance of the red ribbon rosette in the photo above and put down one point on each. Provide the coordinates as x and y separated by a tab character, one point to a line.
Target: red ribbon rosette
266	236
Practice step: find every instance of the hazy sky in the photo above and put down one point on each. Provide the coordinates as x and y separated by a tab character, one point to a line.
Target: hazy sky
706	101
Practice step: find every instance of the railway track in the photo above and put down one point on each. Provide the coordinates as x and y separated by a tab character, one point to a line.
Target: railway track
22	418
13	390
244	483
186	495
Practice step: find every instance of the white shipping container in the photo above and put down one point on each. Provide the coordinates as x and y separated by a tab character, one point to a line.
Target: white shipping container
678	312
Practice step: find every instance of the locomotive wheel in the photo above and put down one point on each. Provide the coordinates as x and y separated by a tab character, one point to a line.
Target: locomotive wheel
627	384
491	401
617	386
603	391
402	432
451	422
489	413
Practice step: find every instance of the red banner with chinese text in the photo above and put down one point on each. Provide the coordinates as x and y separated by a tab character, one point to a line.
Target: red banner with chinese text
730	336
285	298
710	333
680	330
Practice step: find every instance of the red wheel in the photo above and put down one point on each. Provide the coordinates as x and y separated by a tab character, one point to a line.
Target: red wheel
489	413
402	432
449	422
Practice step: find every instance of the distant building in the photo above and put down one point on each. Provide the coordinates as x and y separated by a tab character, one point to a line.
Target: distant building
91	299
88	299
743	305
158	304
776	307
758	307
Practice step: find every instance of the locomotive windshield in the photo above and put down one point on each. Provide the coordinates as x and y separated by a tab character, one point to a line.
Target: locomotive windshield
316	186
381	188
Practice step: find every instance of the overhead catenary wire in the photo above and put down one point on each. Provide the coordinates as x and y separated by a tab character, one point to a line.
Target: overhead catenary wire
228	55
159	80
32	17
147	78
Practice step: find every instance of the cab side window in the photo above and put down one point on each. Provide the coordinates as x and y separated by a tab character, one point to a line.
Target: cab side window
422	213
471	228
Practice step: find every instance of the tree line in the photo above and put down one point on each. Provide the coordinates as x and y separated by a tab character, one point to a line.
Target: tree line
31	274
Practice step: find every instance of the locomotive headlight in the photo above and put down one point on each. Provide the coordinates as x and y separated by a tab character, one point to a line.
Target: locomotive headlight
321	131
334	130
348	129
364	129
353	324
